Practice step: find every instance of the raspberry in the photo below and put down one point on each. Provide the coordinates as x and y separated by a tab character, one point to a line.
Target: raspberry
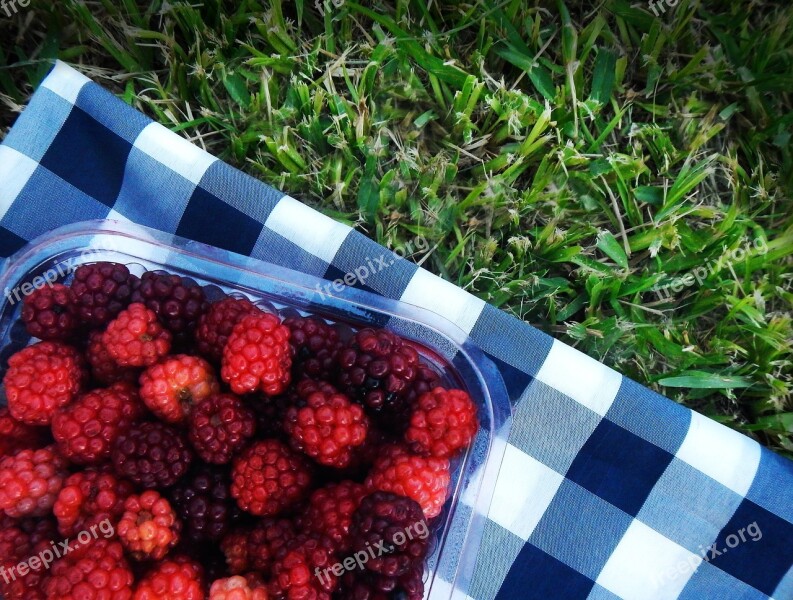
204	503
236	588
15	436
270	412
98	572
268	477
296	566
30	586
219	427
172	387
315	345
48	313
135	338
100	291
425	480
216	324
328	428
104	368
40	379
86	429
329	512
152	455
178	302
397	523
30	481
257	356
88	498
377	369
255	548
443	422
178	578
148	529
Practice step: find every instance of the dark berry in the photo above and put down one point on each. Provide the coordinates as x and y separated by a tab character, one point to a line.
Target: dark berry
204	504
153	455
48	313
100	291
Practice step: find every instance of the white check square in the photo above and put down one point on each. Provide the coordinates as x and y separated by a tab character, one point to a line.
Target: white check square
722	454
523	492
580	377
176	153
647	566
443	298
310	230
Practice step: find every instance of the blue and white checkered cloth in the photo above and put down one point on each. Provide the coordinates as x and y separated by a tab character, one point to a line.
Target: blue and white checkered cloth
607	490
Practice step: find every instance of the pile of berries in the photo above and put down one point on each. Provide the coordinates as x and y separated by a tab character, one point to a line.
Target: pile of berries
159	445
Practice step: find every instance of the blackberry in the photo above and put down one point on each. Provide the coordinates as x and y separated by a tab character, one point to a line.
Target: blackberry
100	291
366	585
377	369
204	504
152	455
178	302
395	522
219	427
315	345
48	313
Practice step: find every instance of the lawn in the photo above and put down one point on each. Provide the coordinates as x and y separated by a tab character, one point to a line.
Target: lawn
619	179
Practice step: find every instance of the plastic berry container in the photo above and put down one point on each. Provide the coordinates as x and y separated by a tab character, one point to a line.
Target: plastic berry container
456	538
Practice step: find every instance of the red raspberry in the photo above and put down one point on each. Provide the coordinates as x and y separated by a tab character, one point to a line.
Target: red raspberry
296	569
203	501
100	291
15	436
255	548
148	529
30	481
178	301
175	385
220	427
88	498
135	338
269	477
315	345
329	512
328	428
87	428
179	578
30	586
48	313
257	356
377	369
40	379
236	588
443	423
153	455
216	324
270	412
425	480
386	520
98	572
104	367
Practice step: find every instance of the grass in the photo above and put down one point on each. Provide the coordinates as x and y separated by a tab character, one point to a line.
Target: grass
571	165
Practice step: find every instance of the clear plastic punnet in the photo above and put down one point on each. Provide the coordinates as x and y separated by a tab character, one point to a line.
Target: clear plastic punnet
53	257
